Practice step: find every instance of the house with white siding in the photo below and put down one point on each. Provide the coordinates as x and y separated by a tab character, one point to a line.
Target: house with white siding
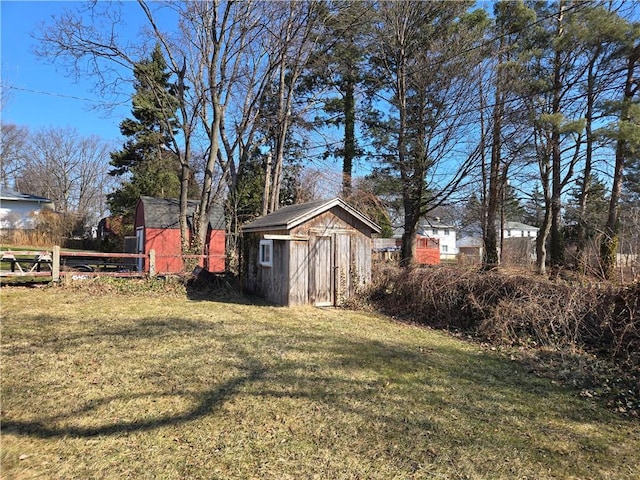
19	211
519	230
444	232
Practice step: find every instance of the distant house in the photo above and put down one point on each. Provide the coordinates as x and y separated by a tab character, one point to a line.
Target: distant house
519	246
315	253
445	233
157	227
427	249
19	211
519	230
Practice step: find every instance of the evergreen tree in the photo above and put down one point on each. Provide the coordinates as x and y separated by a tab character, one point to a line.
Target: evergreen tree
336	71
510	19
512	209
583	226
471	217
626	133
149	166
534	207
250	186
422	57
631	186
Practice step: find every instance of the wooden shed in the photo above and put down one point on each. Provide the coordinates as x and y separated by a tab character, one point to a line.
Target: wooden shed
157	227
315	253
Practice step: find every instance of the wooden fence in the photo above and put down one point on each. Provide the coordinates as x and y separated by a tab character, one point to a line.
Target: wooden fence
57	264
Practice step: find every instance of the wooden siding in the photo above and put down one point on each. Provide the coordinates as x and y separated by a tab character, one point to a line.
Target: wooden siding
216	244
298	278
278	280
322	262
166	243
270	282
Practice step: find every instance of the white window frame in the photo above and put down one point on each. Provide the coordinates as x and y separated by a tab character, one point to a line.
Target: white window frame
265	253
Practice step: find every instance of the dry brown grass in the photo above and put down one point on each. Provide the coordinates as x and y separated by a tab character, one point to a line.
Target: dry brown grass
106	381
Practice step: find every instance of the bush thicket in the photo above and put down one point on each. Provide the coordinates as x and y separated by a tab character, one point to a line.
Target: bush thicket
515	309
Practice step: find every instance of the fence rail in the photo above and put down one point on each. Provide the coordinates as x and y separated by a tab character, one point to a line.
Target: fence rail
58	264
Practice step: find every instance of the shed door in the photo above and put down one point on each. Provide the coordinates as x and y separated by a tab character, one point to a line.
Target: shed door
321	272
342	268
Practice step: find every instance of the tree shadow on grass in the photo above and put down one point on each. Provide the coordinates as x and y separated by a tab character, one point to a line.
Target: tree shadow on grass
364	379
207	403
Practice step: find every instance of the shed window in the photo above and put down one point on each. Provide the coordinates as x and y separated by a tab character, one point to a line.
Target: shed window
266	253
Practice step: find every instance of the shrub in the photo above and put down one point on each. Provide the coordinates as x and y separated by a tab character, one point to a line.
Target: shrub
515	309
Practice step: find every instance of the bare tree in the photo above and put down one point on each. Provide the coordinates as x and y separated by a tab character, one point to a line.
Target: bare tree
69	169
294	37
223	56
232	54
12	155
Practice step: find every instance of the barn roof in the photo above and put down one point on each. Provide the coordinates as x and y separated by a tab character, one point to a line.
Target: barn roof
165	213
291	216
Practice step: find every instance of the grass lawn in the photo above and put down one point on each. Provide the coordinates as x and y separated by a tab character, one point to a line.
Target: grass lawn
119	386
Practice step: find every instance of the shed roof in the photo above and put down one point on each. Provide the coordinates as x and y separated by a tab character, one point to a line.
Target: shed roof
291	216
165	213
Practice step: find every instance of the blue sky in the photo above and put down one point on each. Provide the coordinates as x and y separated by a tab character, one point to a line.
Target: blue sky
40	95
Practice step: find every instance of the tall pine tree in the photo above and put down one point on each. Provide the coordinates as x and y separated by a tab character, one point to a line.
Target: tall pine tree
146	162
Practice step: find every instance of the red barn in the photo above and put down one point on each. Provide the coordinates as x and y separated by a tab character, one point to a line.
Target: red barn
157	226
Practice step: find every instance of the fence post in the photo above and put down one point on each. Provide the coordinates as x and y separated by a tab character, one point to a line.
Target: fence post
152	263
55	267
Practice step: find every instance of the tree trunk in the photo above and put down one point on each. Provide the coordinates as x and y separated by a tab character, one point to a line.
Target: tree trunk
609	245
491	257
266	196
581	234
541	240
349	134
556	243
184	194
408	249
